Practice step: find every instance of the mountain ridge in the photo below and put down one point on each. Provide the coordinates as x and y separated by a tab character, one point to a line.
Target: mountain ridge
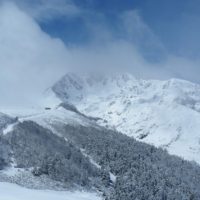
163	113
60	148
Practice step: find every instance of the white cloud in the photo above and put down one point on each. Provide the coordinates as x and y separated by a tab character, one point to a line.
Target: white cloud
116	56
30	60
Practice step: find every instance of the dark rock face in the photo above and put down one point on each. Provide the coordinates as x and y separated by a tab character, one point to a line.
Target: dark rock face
69	107
67	83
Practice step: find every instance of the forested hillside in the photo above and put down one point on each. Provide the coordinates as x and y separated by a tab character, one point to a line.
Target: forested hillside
32	147
143	171
96	158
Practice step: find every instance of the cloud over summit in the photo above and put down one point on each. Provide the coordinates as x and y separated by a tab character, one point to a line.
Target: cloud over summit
31	60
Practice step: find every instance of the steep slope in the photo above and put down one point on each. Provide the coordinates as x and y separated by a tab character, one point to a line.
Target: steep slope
58	116
142	171
61	148
163	113
34	154
36	147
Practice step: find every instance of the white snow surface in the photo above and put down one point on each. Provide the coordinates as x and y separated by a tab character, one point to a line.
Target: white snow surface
10	191
9	128
47	118
163	113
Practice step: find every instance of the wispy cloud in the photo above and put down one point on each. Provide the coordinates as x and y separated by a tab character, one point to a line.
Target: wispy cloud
141	35
45	10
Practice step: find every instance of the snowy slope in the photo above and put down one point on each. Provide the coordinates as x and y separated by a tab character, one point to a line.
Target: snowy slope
56	117
52	118
5	120
49	113
20	193
163	113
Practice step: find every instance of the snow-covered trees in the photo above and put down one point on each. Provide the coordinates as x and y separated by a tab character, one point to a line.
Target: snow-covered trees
38	148
143	171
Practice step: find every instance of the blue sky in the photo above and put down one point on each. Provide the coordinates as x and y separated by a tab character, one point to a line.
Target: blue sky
176	23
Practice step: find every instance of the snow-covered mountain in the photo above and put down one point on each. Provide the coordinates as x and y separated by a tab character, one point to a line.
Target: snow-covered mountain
163	113
60	147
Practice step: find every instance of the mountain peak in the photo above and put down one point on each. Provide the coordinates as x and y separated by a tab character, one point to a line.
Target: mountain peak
158	112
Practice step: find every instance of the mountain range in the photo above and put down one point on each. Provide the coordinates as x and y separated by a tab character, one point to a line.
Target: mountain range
109	136
162	113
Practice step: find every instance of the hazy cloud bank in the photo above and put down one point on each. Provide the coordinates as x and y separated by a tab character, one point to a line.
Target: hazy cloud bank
31	60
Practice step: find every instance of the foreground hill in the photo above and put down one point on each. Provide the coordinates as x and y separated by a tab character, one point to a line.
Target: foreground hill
62	149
